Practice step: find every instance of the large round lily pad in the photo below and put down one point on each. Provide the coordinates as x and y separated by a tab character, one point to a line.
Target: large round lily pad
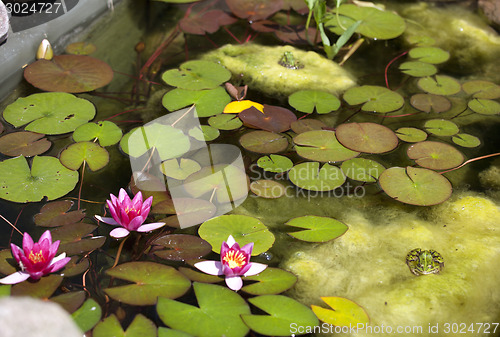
91	153
316	228
197	75
432	55
273	118
208	102
24	143
270	281
307	100
367	137
322	146
361	169
430	103
374	98
415	186
435	155
264	142
482	89
441	127
310	177
439	85
484	106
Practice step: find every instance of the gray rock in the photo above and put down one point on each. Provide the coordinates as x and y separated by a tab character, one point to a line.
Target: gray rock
4	23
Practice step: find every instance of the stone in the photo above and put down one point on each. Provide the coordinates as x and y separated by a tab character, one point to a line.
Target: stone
4	23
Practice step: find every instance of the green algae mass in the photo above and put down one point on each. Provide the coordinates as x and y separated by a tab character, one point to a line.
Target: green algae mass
258	65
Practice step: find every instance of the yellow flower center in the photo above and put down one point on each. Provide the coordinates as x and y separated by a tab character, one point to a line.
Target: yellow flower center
234	259
36	257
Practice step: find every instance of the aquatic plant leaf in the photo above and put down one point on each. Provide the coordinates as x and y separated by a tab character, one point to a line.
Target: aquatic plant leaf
270	282
70	301
345	312
254	10
46	178
69	73
375	98
466	140
108	133
74	155
264	142
304	125
361	169
296	34
366	137
87	316
439	85
235	107
110	326
268	189
180	247
322	145
24	143
166	332
76	266
310	177
55	213
43	288
50	113
482	89
421	40
484	106
204	133
208	102
307	100
179	169
441	127
192	211
318	228
244	229
2	127
430	103
415	186
411	135
273	119
80	48
225	122
7	268
432	55
418	69
284	312
151	280
82	246
197	75
265	26
202	22
72	232
275	163
197	276
435	155
218	313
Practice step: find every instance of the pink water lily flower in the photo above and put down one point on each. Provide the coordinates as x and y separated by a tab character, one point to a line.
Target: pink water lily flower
234	263
36	259
129	214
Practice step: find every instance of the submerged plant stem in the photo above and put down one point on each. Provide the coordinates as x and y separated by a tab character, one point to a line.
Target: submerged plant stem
119	252
470	161
7	221
389	64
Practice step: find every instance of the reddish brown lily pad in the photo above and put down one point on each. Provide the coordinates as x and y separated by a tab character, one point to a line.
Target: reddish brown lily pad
367	137
435	155
69	73
273	119
56	213
181	247
305	125
24	143
202	22
254	10
297	34
430	103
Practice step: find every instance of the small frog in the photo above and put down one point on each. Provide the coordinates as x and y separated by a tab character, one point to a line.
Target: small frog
423	262
289	61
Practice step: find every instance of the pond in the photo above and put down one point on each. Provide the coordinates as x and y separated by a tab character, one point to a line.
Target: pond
248	168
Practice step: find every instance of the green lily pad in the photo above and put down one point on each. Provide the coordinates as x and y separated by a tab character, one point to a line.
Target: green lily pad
69	301
361	169
285	314
421	40
76	266
268	189
367	137
218	313
418	69
430	103
275	163
435	155
55	213
80	246
466	140
345	312
318	228
432	55
208	102
270	282
7	262
43	288
482	89
322	146
264	142
50	113
74	155
179	169
411	135
72	232
151	280
439	85
24	143
80	48
87	316
110	326
484	106
310	177
197	75
166	332
106	132
375	98
307	100
272	119
244	229
415	186
46	178
305	125
197	276
180	247
204	133
225	122
441	127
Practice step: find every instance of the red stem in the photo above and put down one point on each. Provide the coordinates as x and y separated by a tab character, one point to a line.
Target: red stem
470	161
387	68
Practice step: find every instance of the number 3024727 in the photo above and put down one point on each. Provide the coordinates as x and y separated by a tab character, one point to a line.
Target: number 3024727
28	8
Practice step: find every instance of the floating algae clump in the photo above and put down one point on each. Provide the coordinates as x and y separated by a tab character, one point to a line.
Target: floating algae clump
260	68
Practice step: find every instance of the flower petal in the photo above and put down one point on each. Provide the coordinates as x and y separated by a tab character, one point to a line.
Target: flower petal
247	249
123	196
255	268
210	267
46	235
137	201
16	252
109	221
27	244
230	241
150	226
234	282
17	277
119	233
135	223
58	263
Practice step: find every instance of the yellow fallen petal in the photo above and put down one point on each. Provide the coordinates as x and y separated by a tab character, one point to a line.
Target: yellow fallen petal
236	107
45	51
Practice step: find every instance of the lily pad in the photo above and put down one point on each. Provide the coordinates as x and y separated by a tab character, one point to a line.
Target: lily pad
74	155
418	69
179	169
208	102
435	155
484	106
24	143
482	89
284	313
55	213
110	326
466	140
432	55
441	127
106	132
87	316
244	229
204	133
197	276
50	113
46	178
151	280
235	107
254	10
190	211
275	163
318	228
269	282
374	98
69	73
205	21
273	119
307	100
305	125
439	85
79	245
310	177
415	186
411	135
218	313
166	332
180	247
361	169
345	312
76	266
268	189
43	288
197	75
421	40
225	122
322	146
367	137
264	142
80	48
69	301
430	103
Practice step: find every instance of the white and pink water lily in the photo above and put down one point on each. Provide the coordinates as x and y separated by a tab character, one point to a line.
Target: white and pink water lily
36	259
234	263
129	214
